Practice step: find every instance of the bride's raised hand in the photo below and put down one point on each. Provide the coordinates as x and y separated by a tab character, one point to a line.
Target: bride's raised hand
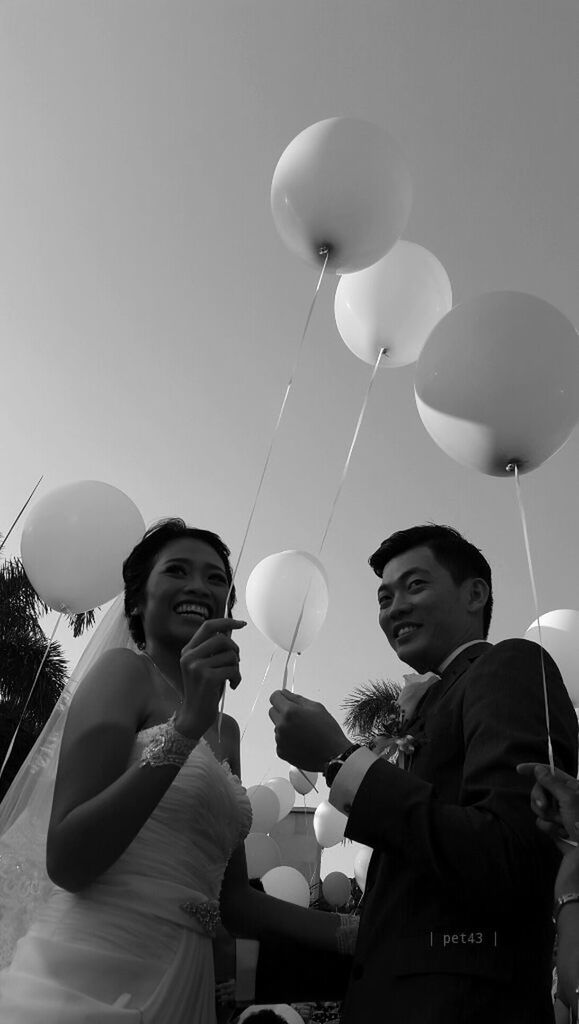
208	660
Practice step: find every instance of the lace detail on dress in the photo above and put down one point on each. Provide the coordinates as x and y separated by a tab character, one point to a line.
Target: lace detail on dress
24	885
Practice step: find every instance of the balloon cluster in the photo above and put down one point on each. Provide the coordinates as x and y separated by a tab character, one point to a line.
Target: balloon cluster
271	802
342	191
497	377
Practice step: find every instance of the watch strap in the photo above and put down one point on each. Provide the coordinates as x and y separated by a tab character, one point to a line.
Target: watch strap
333	766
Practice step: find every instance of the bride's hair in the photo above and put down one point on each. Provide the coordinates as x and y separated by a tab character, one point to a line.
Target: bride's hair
137	567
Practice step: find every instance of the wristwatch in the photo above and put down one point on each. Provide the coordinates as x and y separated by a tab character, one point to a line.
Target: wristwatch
333	766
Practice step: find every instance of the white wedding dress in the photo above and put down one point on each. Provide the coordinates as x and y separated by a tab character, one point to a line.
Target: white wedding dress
122	950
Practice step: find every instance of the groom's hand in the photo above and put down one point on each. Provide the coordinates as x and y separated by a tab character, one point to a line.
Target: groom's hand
306	735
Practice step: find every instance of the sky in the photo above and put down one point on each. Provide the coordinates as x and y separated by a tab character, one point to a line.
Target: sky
150	313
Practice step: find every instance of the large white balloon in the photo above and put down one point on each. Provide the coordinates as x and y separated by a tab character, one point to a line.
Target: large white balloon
344	183
361	865
336	888
74	542
287	884
393	305
262	854
264	807
285	793
497	382
280	589
560	633
303	782
329	824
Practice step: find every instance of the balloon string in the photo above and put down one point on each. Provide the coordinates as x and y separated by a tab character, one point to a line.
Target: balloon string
325	253
296	656
294	637
536	600
309	782
40	667
4	539
382	352
267	771
276	428
259	689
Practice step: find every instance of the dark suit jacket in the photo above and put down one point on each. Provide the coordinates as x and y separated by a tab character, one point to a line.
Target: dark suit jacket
456	922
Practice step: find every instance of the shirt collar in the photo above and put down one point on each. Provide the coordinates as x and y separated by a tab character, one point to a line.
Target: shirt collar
444	665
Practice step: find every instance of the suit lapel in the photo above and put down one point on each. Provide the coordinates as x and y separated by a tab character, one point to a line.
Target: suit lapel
450	676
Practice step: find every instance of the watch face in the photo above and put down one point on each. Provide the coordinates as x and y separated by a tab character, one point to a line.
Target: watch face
337	762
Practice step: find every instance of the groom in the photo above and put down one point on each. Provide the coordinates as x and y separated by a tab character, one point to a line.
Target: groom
456	921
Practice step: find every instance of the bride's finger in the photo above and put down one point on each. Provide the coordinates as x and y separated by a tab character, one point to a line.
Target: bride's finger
211	628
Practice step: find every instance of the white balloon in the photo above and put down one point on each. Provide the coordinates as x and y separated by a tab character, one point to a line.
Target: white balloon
303	782
285	794
287	884
393	305
329	824
560	633
497	382
344	183
265	808
336	888
361	864
74	542
262	853
280	589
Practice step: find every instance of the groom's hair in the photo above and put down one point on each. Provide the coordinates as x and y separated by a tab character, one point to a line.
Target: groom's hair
458	556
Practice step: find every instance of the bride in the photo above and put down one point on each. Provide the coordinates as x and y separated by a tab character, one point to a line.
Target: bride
122	835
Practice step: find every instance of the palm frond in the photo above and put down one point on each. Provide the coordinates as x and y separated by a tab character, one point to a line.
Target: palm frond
81	622
20	658
20	602
372	708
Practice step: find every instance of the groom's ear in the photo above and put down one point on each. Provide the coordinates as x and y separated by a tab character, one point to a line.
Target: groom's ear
477	594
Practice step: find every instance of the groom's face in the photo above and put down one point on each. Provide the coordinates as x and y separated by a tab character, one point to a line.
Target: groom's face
423	612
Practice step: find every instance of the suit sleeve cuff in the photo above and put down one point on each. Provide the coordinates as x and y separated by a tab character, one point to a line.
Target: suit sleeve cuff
349	779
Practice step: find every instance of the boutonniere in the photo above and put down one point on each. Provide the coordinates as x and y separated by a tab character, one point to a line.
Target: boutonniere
378	713
398	749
